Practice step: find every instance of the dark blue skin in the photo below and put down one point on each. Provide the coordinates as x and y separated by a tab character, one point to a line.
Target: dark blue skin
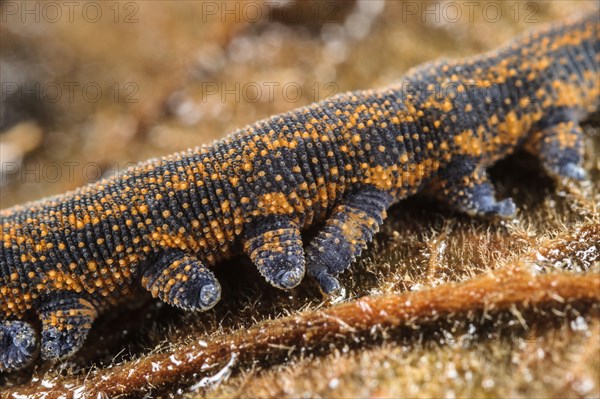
339	164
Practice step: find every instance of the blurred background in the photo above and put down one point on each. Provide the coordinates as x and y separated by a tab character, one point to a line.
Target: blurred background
89	87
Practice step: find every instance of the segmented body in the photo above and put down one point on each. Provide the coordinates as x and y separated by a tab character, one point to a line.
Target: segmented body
342	161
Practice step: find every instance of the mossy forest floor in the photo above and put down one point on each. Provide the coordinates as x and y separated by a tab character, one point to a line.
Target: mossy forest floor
440	305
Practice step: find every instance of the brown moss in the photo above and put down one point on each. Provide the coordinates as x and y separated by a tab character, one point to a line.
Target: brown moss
511	288
538	347
484	362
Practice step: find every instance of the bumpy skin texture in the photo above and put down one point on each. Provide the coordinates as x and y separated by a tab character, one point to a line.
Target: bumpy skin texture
339	163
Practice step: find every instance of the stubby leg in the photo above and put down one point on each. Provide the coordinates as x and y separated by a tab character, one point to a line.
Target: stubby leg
345	234
464	186
182	280
275	246
18	345
560	149
66	322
